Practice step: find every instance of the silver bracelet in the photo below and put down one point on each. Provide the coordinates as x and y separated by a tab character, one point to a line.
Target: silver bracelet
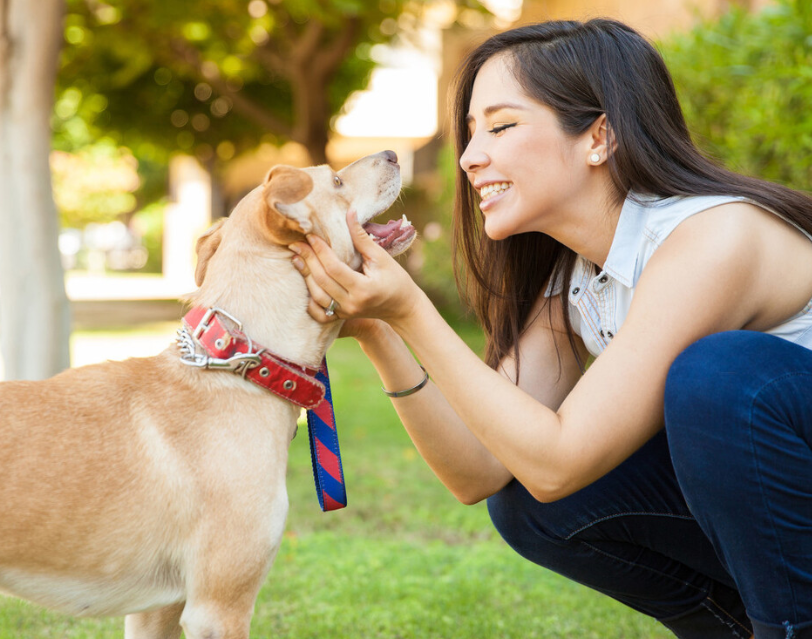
409	391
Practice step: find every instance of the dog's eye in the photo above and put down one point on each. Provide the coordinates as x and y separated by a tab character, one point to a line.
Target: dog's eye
337	181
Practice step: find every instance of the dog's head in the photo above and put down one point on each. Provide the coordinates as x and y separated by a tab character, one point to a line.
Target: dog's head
292	203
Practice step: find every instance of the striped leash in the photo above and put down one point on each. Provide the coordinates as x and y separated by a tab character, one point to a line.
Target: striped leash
324	451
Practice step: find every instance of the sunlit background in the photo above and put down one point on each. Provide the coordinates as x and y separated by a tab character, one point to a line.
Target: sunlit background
131	207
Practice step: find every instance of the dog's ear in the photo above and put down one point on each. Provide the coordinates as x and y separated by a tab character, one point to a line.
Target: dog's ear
284	188
206	246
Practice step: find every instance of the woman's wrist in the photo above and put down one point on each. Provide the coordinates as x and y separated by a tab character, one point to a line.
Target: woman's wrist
374	333
415	304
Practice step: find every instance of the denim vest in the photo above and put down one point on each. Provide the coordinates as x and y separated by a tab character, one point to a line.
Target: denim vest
599	303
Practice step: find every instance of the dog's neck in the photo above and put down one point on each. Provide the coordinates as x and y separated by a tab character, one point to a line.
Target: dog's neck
266	293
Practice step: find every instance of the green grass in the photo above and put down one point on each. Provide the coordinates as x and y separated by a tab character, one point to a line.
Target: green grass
403	560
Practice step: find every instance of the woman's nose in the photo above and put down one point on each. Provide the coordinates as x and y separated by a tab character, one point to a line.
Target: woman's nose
473	159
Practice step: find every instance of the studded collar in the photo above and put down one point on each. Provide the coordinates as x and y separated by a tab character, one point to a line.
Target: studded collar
206	342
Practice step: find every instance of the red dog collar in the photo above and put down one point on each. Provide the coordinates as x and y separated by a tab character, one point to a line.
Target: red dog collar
232	350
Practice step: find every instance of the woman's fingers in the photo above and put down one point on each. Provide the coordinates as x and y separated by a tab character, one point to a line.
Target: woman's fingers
319	282
330	266
319	299
382	289
319	312
364	244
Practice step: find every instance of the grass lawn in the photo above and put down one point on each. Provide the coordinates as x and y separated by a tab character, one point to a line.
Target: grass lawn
403	560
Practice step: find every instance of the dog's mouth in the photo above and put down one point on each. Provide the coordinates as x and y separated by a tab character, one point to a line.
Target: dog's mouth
394	237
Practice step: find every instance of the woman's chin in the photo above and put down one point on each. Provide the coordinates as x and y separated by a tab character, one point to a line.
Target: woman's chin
496	232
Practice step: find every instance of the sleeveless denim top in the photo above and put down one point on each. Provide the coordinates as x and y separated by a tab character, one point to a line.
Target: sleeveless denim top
599	303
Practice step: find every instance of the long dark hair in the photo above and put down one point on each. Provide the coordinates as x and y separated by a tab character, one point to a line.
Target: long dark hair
582	70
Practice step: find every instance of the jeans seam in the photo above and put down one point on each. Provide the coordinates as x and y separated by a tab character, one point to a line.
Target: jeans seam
759	475
718	609
639	566
629	514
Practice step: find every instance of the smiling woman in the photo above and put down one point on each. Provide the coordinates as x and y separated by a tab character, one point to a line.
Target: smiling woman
588	224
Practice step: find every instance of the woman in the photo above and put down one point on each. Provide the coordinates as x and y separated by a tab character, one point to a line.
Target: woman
604	232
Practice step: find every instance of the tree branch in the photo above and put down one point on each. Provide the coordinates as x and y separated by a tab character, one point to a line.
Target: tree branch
242	104
328	59
306	45
271	60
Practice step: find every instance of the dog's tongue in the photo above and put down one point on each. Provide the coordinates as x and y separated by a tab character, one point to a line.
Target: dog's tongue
394	237
383	232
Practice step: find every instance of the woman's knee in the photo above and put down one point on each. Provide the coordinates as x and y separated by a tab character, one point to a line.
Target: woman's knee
530	527
508	512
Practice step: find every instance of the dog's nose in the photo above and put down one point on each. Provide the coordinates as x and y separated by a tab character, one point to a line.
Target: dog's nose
391	156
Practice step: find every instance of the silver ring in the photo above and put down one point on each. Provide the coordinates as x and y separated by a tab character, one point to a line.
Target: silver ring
331	310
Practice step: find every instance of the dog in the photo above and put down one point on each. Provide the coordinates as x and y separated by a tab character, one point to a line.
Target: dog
153	487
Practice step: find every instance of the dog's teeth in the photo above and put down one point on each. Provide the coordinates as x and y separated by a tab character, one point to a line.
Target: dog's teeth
371	237
406	220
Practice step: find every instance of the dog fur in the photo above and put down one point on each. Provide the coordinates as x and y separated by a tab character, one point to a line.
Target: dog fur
156	490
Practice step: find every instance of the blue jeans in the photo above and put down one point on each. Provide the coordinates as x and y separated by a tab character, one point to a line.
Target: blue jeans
708	527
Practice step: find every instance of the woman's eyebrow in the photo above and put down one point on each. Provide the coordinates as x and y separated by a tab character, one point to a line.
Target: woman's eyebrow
493	108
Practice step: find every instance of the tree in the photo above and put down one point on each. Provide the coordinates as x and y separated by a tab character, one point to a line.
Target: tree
745	84
34	314
213	78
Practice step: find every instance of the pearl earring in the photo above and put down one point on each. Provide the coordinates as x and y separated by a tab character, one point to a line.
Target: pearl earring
595	158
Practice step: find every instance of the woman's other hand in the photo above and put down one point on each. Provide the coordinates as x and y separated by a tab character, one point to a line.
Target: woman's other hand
381	290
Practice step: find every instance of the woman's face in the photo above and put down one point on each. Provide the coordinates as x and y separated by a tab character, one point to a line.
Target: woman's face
527	171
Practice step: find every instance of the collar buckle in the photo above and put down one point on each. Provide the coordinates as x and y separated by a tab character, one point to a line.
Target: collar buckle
207	317
238	364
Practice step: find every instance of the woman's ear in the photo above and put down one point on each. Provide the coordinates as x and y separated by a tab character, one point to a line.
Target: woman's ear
601	140
206	247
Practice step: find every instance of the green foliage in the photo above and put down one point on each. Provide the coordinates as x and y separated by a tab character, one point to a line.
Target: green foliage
211	79
218	77
148	223
95	184
745	84
436	274
167	75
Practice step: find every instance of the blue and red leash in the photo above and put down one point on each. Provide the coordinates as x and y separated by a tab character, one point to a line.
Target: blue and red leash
325	454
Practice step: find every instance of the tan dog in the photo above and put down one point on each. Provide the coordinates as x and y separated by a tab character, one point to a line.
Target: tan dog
155	489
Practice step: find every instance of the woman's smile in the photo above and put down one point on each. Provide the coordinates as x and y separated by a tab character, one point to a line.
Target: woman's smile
491	193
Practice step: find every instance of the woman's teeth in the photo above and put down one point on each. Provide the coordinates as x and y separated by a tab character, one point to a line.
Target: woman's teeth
489	190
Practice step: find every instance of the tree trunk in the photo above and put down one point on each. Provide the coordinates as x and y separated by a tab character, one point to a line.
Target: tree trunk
310	105
34	311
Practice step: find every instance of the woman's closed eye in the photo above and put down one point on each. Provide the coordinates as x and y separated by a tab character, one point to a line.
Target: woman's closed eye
496	130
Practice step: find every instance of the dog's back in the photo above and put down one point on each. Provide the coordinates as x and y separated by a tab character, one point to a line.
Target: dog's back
98	503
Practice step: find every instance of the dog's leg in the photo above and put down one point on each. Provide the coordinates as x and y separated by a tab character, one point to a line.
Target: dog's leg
155	624
218	619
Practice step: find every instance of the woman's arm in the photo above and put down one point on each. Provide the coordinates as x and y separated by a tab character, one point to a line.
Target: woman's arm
707	277
457	457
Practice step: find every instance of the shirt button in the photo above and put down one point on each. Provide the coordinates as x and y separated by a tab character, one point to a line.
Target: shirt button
576	290
604	279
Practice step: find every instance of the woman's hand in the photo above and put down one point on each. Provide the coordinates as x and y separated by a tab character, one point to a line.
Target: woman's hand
362	329
381	290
